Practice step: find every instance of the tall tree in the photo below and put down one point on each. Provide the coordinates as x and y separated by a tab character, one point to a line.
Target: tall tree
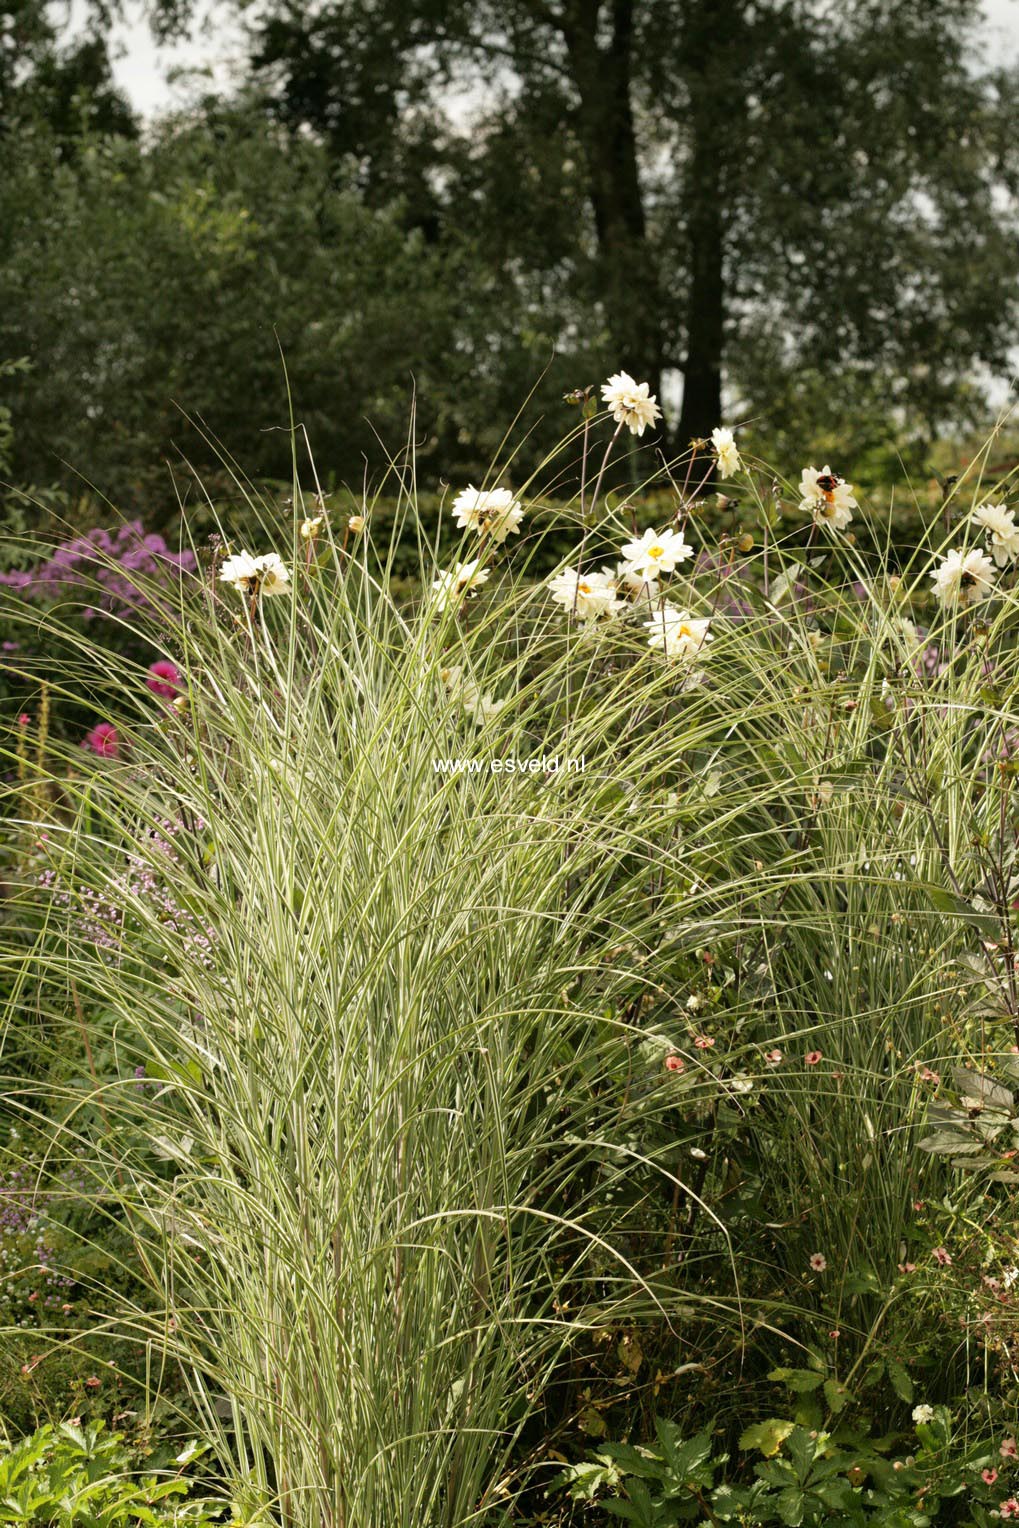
744	163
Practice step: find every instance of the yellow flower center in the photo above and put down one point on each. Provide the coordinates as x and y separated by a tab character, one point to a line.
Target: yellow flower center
656	551
583	587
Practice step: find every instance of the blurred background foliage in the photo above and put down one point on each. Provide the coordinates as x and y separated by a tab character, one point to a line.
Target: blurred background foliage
800	215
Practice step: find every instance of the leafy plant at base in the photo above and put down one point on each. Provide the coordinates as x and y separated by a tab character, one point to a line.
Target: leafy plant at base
85	1477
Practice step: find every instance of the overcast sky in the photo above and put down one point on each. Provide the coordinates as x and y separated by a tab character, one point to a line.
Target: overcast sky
143	70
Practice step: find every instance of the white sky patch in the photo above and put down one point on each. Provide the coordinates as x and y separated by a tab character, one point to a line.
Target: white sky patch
157	79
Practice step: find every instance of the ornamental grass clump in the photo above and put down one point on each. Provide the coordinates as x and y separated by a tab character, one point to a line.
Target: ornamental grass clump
512	963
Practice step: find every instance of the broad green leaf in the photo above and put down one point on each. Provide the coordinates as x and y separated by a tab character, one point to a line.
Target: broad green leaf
800	1380
766	1437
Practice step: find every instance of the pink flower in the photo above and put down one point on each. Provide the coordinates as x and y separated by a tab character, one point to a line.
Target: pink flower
941	1257
988	1477
812	1058
926	1075
1008	1449
674	1063
818	1262
24	720
1009	1508
164	678
103	740
93	1382
907	1267
773	1057
704	1042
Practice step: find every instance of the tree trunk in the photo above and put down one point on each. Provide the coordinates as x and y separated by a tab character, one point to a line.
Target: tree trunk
709	26
603	79
702	373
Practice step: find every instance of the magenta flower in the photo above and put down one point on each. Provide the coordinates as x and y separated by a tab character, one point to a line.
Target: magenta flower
103	740
164	678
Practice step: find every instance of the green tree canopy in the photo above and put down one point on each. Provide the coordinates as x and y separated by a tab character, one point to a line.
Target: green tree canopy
728	186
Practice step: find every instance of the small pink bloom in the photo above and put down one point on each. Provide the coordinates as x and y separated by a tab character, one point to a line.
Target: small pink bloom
1009	1508
704	1042
103	740
918	1204
24	720
907	1267
942	1257
1008	1449
773	1057
164	678
988	1477
674	1063
835	1334
926	1075
818	1262
812	1058
93	1382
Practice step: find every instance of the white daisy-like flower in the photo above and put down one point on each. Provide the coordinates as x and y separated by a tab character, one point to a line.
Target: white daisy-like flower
827	497
923	1413
631	403
493	511
656	552
272	573
963	578
240	570
1002	530
478	703
586	595
635	584
454	584
727	455
677	633
255	575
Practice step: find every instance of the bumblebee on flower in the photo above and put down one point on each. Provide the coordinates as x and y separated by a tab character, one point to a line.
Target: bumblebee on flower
492	512
827	498
265	575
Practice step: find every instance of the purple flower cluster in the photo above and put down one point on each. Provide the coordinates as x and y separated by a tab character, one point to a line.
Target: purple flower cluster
24	1240
117	566
105	919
